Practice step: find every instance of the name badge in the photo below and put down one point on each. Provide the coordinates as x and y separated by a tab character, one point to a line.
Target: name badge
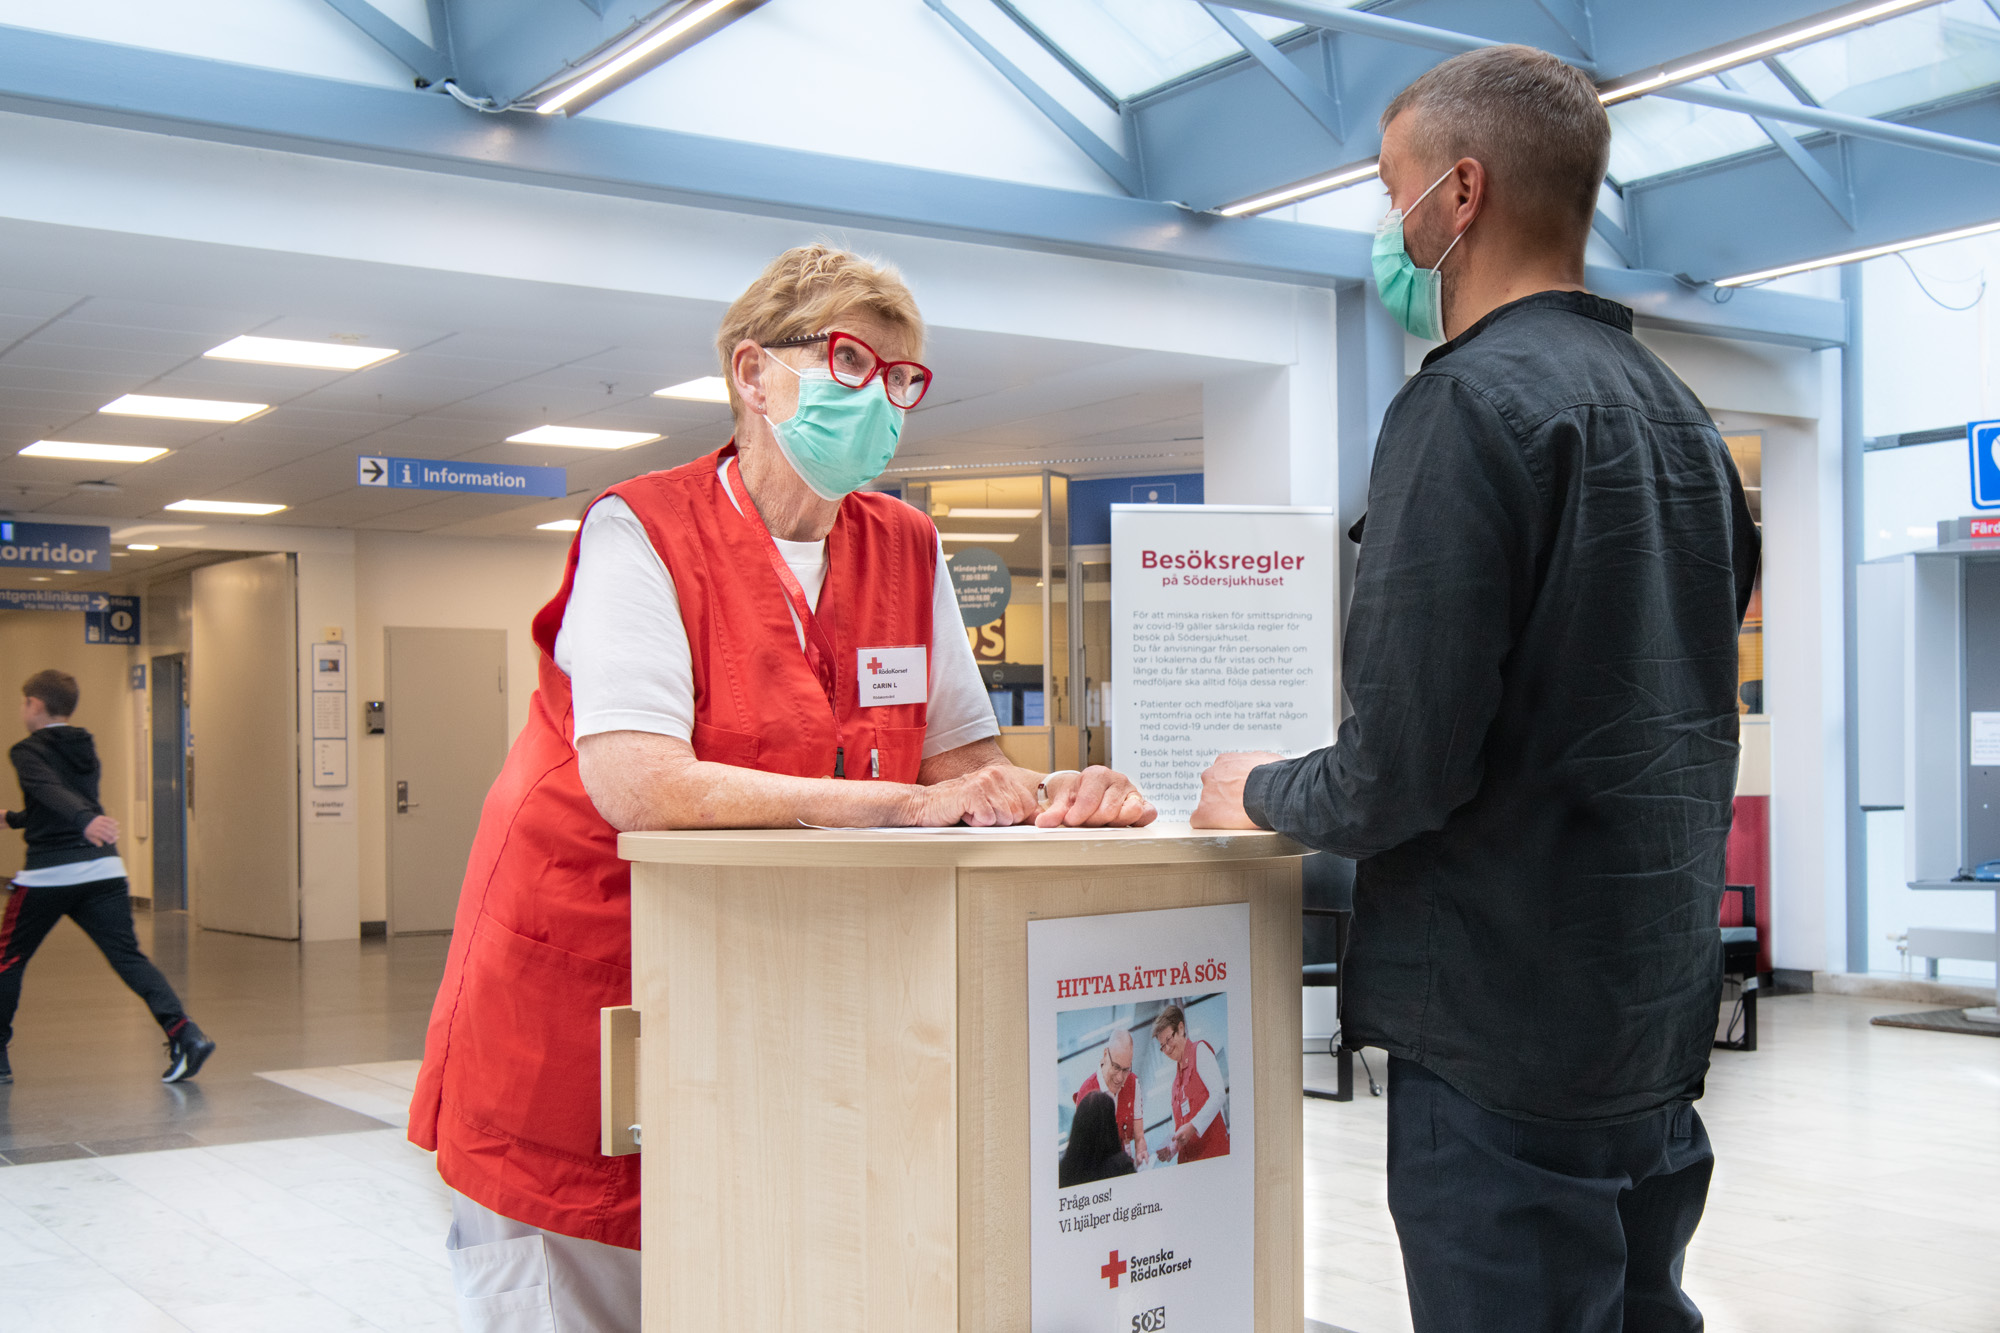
892	676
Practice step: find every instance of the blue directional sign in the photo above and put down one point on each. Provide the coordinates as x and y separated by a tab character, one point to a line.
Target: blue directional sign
432	474
54	546
107	617
1984	439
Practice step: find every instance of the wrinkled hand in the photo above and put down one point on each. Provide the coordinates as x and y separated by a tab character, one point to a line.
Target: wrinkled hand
1221	803
1098	797
985	797
1183	1137
101	831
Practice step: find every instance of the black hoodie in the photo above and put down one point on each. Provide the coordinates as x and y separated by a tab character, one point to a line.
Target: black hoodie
58	769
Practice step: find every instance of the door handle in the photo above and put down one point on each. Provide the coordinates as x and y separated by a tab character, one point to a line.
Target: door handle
403	802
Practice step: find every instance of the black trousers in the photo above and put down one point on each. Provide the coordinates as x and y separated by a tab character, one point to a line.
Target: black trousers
1508	1224
103	908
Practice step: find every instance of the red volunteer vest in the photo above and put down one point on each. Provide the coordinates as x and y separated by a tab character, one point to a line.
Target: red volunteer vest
1190	1096
508	1094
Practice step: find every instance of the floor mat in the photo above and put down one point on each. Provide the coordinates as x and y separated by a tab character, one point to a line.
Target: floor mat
1938	1020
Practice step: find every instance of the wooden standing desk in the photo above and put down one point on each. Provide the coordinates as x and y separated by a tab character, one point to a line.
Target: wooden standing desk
833	1067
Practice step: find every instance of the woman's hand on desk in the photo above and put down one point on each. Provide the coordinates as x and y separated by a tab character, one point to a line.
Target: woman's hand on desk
984	797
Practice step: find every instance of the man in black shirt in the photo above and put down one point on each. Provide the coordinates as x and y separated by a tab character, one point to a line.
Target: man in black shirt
1537	776
73	869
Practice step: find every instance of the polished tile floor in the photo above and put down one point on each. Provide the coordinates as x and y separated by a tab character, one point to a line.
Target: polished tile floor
1857	1183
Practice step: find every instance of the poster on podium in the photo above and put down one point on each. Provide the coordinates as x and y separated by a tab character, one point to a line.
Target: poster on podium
1222	639
1142	1138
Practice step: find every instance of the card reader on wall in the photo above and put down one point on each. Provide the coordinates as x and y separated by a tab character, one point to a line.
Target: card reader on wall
373	718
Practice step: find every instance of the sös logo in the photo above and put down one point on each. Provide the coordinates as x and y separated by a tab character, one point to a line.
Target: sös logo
1150	1321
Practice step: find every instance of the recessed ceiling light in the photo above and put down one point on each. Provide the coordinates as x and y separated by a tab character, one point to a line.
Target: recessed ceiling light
223	507
292	352
956	511
583	437
141	546
707	389
38	578
182	409
92	453
560	525
979	536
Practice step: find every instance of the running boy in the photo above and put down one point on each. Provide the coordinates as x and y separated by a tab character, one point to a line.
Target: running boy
73	869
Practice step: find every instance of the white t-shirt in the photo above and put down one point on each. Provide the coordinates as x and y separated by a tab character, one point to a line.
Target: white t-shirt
625	649
72	872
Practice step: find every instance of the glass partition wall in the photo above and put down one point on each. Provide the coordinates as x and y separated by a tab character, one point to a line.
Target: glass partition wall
1025	654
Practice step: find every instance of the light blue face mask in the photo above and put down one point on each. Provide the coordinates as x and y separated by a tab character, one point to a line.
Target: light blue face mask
838	439
1415	296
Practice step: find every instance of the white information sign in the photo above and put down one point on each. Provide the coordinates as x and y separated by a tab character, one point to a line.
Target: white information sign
1222	639
1985	739
1141	1122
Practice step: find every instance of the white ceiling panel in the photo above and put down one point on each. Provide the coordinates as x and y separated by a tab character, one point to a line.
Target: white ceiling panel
37	305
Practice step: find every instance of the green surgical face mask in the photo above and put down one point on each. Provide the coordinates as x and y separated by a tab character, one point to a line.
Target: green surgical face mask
838	439
1415	296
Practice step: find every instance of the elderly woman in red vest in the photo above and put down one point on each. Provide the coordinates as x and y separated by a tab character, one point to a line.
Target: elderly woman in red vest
729	635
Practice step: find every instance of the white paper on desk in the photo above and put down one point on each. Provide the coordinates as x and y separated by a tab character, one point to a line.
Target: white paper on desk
1016	829
1985	740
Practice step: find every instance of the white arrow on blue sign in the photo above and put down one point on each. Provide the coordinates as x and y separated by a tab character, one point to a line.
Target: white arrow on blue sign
435	474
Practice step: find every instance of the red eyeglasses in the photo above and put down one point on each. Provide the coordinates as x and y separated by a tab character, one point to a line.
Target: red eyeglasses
854	363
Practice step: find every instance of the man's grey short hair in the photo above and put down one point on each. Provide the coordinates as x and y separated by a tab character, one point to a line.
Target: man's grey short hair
1532	121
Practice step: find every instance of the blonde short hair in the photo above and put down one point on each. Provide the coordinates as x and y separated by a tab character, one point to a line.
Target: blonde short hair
807	289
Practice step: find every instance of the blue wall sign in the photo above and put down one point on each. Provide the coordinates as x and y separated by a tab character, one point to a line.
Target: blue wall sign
983	583
432	474
1984	439
54	546
107	617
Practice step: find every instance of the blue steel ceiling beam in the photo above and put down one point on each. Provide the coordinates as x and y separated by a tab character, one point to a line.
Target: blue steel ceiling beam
1900	133
1108	159
1616	237
425	62
1698	221
1838	197
506	48
1574	18
51	75
1322	106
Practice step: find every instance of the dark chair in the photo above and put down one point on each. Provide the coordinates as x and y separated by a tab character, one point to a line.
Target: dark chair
1328	883
1739	960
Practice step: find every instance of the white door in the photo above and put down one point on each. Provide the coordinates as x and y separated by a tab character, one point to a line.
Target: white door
243	766
447	733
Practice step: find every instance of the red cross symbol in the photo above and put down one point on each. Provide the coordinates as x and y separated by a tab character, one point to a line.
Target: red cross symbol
874	665
1113	1270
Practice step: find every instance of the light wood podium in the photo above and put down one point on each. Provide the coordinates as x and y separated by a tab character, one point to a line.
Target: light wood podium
833	1063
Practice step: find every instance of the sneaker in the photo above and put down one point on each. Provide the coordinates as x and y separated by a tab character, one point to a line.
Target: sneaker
6	1070
187	1050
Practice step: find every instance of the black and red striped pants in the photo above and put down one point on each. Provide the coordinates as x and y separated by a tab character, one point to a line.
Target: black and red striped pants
103	908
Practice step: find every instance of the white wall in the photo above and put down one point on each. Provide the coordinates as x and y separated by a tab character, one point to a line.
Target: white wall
1925	366
407	579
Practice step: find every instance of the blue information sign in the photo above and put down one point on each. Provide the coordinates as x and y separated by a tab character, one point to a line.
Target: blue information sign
1984	439
54	546
434	474
107	617
984	584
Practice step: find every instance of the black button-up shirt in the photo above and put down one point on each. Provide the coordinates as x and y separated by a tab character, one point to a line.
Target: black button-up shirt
1538	773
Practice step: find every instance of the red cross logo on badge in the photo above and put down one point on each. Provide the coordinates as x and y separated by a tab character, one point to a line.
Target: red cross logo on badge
874	666
1113	1269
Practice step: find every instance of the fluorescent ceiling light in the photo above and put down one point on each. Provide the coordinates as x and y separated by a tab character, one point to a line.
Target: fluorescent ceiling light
182	409
293	352
92	453
979	536
1664	77
956	511
583	437
1856	256
1325	183
560	525
223	507
707	389
634	58
141	546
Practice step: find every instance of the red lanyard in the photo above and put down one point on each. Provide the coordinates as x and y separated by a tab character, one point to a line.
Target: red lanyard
818	647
